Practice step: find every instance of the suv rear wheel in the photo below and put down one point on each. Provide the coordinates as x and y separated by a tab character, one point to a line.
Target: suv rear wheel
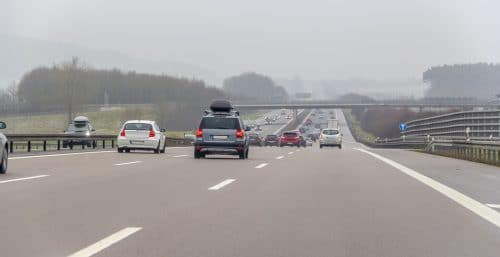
243	154
5	159
197	154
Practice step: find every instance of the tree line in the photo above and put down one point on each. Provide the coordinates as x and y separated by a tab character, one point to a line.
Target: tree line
480	80
70	86
254	87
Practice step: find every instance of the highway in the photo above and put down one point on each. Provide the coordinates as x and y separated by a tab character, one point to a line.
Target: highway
280	202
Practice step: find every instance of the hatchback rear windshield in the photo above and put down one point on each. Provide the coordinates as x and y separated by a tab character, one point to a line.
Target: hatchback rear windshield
219	123
290	134
330	132
138	126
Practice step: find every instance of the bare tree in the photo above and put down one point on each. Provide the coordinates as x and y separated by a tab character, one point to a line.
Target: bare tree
71	84
12	92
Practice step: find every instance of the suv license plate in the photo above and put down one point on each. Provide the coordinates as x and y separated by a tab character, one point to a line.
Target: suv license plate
220	137
136	142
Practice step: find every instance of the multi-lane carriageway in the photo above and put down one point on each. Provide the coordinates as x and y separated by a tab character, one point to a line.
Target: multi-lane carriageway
281	202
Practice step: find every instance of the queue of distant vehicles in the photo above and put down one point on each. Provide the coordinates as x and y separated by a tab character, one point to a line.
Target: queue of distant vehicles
221	131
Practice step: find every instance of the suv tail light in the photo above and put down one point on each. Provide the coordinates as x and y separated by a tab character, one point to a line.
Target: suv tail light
240	133
199	133
122	133
152	133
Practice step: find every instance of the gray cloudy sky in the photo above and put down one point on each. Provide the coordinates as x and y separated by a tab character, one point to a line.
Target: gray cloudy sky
311	38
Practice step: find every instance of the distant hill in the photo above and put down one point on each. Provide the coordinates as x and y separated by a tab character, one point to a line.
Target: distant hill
20	55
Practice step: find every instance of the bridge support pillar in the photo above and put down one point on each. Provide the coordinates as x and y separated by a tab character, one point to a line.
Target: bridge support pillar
295	114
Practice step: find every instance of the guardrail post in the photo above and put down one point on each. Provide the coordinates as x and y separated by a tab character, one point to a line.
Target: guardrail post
103	144
94	144
11	146
70	145
83	146
58	144
112	143
29	146
44	145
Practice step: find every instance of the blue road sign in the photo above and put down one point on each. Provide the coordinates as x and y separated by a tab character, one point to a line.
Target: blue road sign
402	127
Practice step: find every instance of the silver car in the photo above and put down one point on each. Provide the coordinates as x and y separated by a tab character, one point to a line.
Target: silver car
141	135
4	150
330	137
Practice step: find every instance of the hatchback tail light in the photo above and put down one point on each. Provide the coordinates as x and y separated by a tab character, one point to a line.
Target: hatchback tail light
122	133
199	133
152	133
240	133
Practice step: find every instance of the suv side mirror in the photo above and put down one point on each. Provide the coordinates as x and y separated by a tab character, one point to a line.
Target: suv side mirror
3	125
247	128
163	130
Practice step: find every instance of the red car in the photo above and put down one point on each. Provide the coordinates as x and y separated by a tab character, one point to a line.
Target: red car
290	138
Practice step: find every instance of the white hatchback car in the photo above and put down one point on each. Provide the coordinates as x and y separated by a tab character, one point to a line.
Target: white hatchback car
141	135
330	137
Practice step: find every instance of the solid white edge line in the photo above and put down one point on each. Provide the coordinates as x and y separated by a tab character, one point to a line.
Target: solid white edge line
106	242
495	206
127	163
222	184
20	179
280	157
262	165
290	153
182	155
478	208
56	155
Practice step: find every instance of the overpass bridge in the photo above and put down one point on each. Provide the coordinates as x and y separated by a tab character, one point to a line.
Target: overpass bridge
339	105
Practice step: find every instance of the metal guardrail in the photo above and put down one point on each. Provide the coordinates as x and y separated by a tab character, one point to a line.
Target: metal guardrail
469	124
56	142
472	149
478	151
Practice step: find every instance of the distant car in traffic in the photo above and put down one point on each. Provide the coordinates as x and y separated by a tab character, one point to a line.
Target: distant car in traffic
221	131
303	141
255	139
82	130
290	138
4	150
141	135
309	142
330	137
271	140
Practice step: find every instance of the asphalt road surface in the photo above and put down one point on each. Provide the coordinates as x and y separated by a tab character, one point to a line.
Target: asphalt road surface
281	202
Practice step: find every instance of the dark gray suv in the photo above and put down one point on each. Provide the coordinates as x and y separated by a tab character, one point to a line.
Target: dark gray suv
4	149
221	131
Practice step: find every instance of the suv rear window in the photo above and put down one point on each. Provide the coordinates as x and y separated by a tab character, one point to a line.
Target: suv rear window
80	124
219	123
330	132
138	126
290	134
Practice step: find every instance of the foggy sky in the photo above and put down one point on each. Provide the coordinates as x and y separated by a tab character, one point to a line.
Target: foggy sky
383	39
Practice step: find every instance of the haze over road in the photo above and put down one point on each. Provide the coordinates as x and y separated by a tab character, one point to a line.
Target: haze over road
313	202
